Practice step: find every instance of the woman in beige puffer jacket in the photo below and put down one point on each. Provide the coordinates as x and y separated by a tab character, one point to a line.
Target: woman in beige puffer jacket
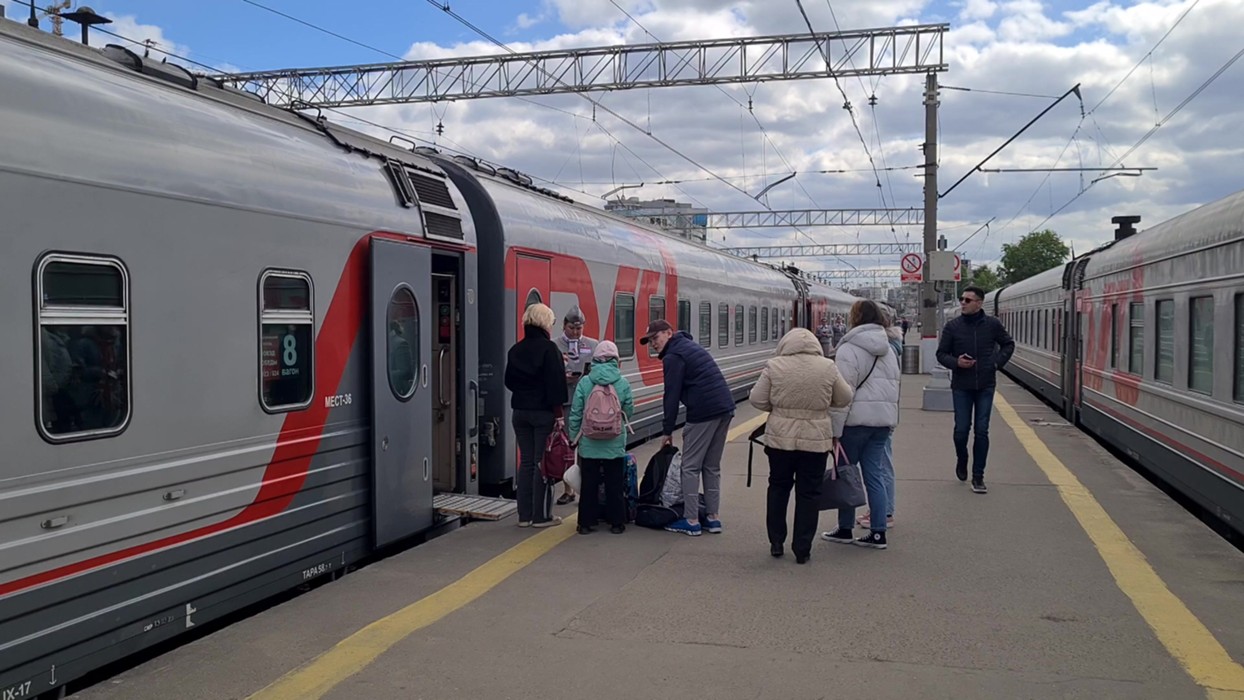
797	388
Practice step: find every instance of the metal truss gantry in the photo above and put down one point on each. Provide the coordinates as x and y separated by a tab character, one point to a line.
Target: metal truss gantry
803	218
826	250
835	276
866	52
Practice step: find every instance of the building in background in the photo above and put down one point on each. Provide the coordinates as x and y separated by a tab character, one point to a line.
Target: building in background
675	217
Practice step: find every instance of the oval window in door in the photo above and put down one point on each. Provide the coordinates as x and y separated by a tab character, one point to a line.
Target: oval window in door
533	297
403	342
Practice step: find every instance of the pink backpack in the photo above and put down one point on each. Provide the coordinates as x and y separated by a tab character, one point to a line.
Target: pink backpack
602	416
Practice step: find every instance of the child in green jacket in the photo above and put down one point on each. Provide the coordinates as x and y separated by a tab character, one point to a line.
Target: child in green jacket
602	457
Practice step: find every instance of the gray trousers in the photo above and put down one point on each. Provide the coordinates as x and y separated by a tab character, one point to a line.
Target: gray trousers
702	447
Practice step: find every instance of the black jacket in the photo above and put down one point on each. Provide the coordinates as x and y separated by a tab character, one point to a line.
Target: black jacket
535	373
985	339
692	377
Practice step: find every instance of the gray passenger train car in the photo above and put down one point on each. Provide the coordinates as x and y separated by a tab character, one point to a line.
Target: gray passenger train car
247	347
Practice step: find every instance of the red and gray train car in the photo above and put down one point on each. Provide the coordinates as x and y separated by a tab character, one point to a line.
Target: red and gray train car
246	347
1141	342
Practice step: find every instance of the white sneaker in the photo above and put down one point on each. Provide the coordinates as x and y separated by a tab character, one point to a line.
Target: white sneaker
549	523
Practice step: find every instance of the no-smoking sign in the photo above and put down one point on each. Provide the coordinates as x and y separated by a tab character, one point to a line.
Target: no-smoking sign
912	268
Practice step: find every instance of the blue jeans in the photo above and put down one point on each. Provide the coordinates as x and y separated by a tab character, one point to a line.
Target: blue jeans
888	472
967	403
865	446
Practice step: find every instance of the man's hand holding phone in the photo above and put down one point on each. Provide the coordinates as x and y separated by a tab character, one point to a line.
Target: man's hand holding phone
966	361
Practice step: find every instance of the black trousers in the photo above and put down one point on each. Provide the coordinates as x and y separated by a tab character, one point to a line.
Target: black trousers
614	473
804	471
535	495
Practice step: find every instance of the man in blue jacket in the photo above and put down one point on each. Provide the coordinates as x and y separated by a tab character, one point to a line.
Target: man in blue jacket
693	378
973	346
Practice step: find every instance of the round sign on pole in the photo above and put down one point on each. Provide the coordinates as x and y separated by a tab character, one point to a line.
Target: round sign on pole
911	262
912	268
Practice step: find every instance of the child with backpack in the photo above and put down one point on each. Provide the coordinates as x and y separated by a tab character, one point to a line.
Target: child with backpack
599	415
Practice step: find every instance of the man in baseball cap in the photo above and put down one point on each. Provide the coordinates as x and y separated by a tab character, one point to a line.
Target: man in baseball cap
659	333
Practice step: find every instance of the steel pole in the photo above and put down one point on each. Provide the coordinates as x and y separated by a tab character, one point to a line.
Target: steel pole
928	292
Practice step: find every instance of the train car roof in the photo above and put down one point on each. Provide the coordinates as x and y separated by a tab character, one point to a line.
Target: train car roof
109	116
1042	281
1205	227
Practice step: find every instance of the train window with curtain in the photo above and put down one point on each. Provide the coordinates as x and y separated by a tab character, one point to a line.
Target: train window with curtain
656	310
705	336
751	325
684	315
1136	337
723	325
624	324
1114	336
83	347
286	326
1201	357
764	325
738	324
1239	348
775	324
1164	369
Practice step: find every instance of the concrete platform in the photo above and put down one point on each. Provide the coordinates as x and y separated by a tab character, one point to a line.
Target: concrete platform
997	596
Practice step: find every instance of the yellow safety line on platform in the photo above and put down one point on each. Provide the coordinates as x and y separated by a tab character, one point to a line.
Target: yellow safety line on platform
745	427
315	678
1183	635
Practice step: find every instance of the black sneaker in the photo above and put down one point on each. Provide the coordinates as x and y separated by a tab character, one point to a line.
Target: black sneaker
874	540
961	472
841	536
978	486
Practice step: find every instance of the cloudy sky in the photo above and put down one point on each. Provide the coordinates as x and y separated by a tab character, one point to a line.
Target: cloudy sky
1037	50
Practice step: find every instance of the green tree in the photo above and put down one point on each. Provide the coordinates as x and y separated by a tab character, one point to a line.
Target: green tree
1034	253
984	277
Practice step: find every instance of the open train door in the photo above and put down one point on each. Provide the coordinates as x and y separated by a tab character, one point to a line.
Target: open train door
1074	333
401	334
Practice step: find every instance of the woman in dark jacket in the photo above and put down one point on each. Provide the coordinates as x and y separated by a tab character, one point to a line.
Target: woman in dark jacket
535	374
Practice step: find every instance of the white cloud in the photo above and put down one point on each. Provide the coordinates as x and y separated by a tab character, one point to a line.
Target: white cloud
977	9
525	21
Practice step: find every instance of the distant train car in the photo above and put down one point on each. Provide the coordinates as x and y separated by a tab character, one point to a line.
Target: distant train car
1141	342
248	347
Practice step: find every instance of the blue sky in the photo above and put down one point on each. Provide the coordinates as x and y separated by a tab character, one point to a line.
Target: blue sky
1028	46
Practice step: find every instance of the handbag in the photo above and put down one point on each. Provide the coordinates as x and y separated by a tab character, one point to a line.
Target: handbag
844	484
756	438
558	455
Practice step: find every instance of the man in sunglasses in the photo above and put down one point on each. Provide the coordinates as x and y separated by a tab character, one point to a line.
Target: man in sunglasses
973	346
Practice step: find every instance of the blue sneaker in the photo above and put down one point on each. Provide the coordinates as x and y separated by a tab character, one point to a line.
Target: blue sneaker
684	527
713	526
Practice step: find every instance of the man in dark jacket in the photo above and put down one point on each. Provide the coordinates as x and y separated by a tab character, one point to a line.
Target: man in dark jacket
693	378
973	347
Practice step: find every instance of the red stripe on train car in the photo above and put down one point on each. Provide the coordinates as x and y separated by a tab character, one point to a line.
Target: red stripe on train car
300	434
1170	442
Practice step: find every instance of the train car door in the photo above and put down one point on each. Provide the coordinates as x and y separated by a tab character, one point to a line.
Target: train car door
402	325
1076	332
446	441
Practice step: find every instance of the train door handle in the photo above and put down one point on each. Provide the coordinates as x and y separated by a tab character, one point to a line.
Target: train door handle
427	470
440	367
473	387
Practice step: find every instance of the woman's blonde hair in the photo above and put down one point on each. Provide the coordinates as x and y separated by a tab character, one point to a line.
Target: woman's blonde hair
541	316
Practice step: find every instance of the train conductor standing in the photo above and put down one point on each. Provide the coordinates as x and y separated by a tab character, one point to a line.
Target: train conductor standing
973	346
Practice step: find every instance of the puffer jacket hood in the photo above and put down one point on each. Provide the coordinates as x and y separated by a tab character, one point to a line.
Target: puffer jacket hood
870	337
800	341
798	388
605	372
870	366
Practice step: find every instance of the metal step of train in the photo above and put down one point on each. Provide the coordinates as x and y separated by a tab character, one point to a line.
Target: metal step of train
473	507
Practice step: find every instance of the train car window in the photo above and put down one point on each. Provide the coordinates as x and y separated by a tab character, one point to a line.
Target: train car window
723	325
1164	370
1114	336
624	324
705	336
533	297
1239	348
656	310
684	315
286	326
83	347
1201	358
775	324
1136	337
738	324
751	325
764	325
402	347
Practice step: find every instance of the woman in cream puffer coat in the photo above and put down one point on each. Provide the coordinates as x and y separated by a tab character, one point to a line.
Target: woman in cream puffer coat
797	388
